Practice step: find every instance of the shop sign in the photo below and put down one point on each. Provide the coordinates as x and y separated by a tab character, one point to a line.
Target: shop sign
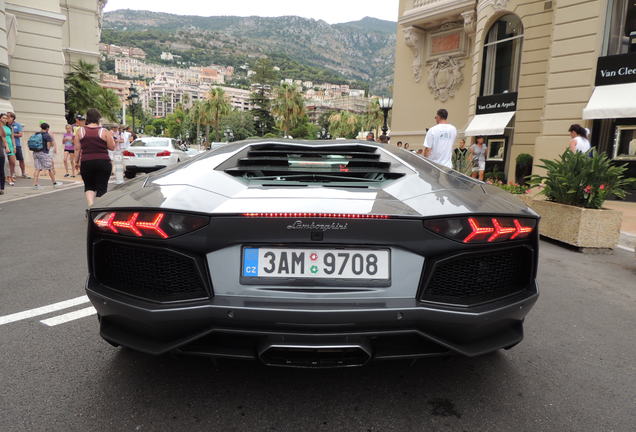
616	69
503	102
5	83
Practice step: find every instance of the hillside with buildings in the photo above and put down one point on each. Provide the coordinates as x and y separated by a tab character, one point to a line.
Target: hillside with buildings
304	49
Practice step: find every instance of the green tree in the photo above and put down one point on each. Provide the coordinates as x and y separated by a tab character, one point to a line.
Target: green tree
215	107
196	116
241	124
288	107
82	91
374	117
262	82
344	124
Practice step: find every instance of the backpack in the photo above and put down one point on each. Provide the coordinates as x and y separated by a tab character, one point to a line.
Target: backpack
36	142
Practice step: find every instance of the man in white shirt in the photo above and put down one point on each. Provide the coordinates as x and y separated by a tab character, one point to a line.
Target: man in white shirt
439	141
125	138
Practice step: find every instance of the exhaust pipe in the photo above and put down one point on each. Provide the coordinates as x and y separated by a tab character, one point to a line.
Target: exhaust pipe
315	356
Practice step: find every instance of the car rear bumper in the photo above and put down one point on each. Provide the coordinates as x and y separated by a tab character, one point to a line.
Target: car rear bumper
145	169
310	334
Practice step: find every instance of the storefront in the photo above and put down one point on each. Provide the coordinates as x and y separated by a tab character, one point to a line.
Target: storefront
519	73
494	120
612	106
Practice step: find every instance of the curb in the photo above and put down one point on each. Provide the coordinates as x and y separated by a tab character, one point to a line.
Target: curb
627	242
49	192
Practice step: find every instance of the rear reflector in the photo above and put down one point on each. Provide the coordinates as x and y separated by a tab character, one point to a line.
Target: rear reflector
482	229
148	224
316	215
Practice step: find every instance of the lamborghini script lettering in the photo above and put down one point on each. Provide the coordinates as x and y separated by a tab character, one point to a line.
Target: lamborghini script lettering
335	226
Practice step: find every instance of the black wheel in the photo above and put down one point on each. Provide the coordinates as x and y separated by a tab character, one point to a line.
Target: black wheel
130	174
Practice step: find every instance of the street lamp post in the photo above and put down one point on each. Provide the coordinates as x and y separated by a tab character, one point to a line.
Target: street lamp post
133	98
229	134
386	104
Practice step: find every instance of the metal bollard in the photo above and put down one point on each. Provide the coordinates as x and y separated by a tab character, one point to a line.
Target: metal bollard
119	167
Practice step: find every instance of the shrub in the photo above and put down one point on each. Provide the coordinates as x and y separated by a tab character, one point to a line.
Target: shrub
524	160
496	175
516	189
582	179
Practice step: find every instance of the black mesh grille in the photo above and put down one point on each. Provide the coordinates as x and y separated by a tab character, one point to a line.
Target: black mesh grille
149	273
480	277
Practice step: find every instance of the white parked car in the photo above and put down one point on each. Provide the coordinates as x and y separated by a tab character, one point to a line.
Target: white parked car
151	154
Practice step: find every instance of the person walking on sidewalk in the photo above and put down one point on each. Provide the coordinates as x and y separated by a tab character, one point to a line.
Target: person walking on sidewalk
69	150
3	151
92	143
7	132
439	141
42	158
17	139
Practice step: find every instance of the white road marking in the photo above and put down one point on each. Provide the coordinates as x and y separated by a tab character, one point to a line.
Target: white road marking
71	316
628	249
19	316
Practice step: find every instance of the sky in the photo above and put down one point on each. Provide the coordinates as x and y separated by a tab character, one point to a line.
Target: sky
332	11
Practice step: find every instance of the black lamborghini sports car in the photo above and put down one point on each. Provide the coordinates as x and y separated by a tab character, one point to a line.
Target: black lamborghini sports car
311	254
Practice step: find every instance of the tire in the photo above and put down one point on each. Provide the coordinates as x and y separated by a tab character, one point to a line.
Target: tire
130	174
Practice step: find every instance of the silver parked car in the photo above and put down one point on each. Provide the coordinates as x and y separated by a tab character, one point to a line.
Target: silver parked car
312	254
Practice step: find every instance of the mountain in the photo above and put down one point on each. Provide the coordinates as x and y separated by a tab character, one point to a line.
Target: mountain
305	49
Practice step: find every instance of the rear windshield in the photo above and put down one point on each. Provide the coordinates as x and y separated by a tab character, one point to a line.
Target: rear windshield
159	142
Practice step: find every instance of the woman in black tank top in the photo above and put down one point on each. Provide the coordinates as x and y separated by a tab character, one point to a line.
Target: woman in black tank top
92	143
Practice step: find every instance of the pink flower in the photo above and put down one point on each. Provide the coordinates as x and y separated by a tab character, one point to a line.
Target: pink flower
587	189
602	187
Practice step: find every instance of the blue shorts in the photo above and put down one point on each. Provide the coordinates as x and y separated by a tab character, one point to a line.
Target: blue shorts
18	153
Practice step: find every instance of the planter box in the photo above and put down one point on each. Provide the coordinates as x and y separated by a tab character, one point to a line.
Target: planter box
577	226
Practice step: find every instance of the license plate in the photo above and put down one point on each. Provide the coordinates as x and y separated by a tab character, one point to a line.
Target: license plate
363	264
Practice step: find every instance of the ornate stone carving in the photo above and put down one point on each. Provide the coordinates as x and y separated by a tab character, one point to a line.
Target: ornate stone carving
414	39
496	4
499	4
470	23
445	76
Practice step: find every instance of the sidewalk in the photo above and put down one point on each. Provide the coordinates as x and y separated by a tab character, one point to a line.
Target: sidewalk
628	229
24	187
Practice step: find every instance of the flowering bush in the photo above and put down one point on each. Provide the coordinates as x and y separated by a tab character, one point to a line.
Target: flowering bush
516	188
582	179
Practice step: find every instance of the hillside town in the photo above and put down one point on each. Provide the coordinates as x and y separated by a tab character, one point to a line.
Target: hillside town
161	88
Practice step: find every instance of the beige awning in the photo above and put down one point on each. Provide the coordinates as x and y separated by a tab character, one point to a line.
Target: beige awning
611	101
489	124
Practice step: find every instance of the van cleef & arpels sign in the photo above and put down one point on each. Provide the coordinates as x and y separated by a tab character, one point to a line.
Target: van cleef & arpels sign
616	69
502	102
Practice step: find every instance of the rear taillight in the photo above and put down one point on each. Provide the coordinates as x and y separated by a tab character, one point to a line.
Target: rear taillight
148	224
482	229
163	153
127	153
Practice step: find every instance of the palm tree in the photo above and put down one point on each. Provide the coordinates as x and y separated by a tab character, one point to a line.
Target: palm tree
374	117
215	107
196	113
82	91
344	124
288	107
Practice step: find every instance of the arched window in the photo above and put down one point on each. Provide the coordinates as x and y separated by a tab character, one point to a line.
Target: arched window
502	56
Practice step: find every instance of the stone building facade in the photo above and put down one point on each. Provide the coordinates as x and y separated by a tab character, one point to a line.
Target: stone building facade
39	40
519	72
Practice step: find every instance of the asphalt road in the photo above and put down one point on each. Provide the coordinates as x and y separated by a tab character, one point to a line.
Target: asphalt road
575	370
